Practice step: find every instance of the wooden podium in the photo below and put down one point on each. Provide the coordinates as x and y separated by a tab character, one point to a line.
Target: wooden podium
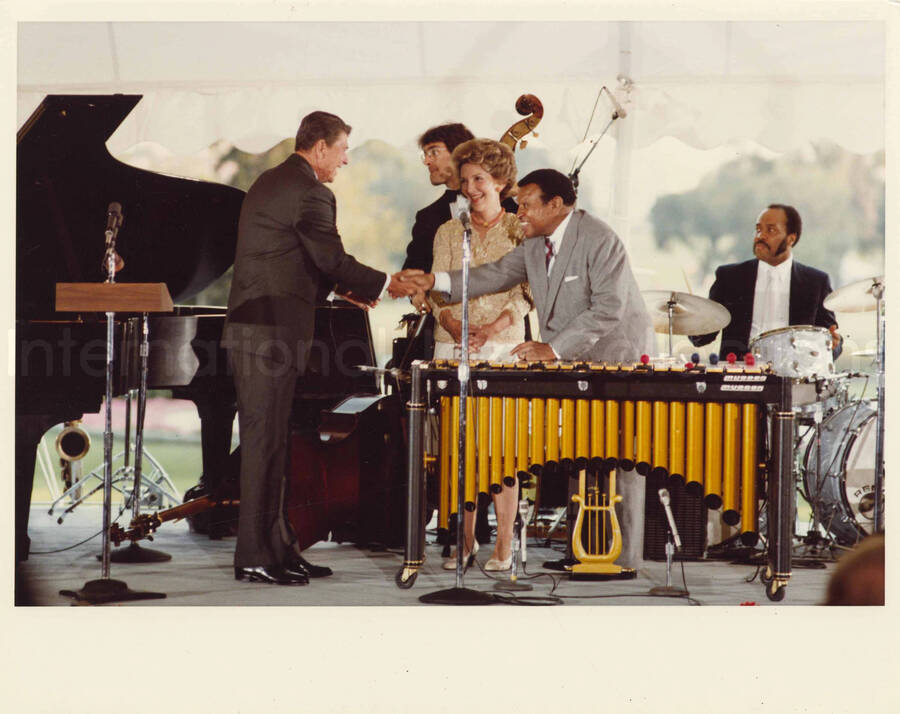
114	298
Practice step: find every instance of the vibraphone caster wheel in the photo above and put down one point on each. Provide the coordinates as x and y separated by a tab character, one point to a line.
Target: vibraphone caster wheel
405	579
766	576
775	591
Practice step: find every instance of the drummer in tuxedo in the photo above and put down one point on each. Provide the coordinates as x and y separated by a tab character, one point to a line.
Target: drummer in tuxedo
773	290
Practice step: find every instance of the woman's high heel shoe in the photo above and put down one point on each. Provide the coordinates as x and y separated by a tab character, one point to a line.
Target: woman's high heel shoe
494	564
450	563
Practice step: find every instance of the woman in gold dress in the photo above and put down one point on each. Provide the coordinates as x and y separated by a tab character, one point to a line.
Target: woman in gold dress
487	173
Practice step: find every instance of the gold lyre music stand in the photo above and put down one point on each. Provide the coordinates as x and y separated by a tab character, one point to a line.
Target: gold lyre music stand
596	560
112	297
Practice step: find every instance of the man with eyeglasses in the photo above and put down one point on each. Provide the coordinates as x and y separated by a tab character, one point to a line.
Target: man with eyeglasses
437	146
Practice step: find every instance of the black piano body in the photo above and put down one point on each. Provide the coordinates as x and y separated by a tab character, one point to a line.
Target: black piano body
181	232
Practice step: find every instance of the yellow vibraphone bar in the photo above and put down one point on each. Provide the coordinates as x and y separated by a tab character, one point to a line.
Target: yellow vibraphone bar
702	426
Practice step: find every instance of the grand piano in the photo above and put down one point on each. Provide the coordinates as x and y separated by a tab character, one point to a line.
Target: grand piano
177	231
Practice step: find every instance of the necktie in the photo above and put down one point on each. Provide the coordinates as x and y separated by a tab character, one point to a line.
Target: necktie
765	318
549	254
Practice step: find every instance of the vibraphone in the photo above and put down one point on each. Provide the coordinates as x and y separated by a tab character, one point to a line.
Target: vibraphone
716	428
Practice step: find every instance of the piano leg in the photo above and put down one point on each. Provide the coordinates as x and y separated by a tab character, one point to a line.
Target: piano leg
29	430
216	410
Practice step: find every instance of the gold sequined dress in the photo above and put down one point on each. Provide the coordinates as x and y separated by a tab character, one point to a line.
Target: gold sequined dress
499	240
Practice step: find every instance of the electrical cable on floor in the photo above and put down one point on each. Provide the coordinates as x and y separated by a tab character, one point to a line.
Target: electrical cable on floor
70	547
61	550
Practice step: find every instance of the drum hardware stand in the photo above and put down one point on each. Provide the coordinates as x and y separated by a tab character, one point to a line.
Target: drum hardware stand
670	310
460	595
158	487
106	589
812	554
878	486
673	542
518	546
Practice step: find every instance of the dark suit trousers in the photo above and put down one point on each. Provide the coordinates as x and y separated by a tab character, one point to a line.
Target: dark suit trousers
265	392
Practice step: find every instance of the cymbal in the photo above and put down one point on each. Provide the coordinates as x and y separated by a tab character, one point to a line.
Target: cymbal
691	314
855	297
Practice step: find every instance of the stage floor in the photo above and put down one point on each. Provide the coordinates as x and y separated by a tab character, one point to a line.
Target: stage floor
200	573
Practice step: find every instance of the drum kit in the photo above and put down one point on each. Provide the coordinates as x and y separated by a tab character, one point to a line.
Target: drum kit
839	454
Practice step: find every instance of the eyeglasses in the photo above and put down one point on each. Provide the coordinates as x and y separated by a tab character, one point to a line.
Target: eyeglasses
431	153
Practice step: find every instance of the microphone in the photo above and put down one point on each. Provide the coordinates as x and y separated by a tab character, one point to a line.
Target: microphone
461	211
619	113
664	500
113	221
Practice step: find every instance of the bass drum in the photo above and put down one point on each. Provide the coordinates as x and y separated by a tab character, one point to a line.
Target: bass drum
846	496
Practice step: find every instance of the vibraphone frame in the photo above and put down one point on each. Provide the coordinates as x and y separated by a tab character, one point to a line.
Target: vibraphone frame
574	380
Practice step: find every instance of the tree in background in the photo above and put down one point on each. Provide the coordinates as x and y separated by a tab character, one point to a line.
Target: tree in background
839	194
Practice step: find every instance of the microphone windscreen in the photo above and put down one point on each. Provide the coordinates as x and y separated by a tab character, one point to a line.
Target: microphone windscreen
664	496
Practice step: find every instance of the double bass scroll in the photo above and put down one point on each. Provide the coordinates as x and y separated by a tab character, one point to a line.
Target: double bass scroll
531	108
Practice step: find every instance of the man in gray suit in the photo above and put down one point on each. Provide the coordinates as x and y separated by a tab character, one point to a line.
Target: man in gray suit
587	300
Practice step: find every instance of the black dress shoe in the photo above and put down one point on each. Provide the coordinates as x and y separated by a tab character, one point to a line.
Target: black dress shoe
300	565
270	575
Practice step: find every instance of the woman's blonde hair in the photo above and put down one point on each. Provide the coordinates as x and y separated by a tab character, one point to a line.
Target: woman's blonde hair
495	158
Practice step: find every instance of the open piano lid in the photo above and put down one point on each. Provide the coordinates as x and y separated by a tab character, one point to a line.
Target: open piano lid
178	231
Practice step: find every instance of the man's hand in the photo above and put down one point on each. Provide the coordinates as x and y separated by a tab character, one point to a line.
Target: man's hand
410	276
398	288
349	297
534	352
836	339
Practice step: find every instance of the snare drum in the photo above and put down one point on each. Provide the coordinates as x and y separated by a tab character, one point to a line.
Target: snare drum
846	493
797	351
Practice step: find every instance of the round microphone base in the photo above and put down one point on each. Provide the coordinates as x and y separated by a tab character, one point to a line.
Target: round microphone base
668	591
458	596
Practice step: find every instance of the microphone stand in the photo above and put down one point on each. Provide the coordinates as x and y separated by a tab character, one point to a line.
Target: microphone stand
668	590
134	553
106	589
460	595
617	114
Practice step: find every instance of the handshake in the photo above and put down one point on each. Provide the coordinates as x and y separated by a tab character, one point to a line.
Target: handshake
413	284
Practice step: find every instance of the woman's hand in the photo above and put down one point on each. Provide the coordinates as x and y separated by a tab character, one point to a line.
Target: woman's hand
420	303
452	325
477	337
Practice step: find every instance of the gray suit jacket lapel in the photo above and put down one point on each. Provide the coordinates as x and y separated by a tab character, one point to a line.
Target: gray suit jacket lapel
566	248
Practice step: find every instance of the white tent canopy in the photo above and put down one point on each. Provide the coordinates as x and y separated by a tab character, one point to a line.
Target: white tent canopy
705	83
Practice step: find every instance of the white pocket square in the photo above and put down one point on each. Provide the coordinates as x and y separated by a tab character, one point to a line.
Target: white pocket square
570	278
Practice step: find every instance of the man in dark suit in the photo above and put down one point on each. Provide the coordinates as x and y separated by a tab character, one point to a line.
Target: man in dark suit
437	146
289	257
772	290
